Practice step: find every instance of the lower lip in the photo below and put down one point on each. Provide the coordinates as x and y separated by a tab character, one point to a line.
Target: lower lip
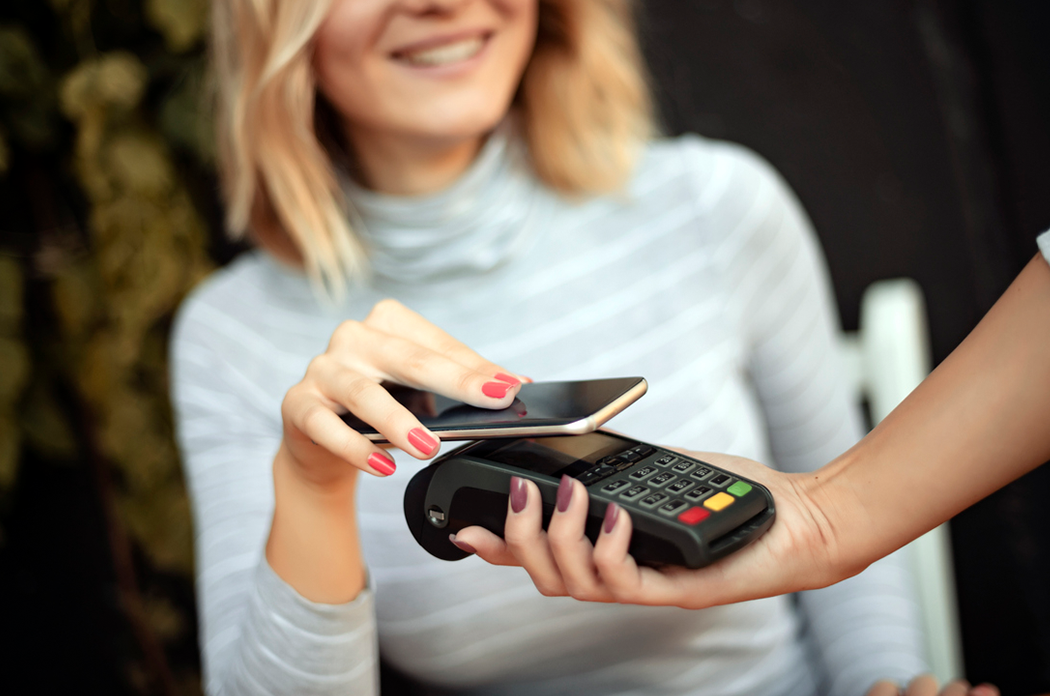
456	69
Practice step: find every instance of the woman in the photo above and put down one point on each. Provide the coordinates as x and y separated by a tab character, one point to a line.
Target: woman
487	162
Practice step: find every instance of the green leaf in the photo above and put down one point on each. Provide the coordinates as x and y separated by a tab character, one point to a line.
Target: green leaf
75	293
22	72
5	154
185	117
14	357
182	23
28	92
164	618
139	164
116	80
11	302
44	425
10	447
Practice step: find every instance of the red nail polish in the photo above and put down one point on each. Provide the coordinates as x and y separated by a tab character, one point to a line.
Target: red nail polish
422	440
462	545
497	390
519	494
611	514
510	379
564	493
381	463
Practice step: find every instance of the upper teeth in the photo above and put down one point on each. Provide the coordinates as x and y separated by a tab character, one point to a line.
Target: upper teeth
448	53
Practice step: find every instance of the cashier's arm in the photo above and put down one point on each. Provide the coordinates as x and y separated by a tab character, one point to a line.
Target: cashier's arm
979	421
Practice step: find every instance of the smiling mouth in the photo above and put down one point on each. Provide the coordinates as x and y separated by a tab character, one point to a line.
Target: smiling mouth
446	54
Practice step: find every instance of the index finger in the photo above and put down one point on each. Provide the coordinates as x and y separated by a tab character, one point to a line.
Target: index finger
394	318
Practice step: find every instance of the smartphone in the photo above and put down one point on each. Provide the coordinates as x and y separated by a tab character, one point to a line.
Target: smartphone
541	408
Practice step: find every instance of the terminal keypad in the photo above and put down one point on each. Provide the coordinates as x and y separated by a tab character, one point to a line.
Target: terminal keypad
647	480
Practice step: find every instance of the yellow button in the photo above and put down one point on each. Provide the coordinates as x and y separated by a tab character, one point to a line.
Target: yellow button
719	501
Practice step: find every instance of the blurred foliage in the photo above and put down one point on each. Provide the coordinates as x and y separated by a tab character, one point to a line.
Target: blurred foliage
14	357
102	124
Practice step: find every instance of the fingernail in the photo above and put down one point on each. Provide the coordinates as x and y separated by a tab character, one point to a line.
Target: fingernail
510	379
381	463
564	493
497	390
519	494
462	545
983	690
422	440
612	512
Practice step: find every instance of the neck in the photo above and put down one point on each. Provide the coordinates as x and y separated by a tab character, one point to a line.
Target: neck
405	166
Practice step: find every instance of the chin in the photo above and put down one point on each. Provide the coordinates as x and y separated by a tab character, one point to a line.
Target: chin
458	122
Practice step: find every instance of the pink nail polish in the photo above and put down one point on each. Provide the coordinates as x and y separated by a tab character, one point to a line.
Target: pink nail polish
381	463
510	379
422	440
564	493
497	390
461	545
611	514
519	494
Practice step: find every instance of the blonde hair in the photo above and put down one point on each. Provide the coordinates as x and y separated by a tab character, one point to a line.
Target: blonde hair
584	106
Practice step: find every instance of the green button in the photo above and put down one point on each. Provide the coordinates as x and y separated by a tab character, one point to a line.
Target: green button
740	489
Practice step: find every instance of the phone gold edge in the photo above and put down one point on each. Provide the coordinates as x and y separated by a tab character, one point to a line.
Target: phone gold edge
580	427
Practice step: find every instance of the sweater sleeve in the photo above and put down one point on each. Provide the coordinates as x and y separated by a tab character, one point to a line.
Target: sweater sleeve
865	628
257	634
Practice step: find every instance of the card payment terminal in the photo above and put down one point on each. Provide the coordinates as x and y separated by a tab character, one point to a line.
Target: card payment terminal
684	511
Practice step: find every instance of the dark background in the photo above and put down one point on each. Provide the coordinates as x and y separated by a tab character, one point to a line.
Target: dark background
917	135
915	132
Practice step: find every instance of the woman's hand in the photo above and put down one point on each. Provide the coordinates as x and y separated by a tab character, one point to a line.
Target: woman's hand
927	686
798	552
393	344
314	545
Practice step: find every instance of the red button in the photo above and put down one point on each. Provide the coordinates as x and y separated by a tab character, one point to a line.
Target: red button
694	515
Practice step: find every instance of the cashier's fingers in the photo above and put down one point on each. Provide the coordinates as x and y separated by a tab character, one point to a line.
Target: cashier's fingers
486	545
527	540
922	685
926	685
622	577
884	688
572	550
614	565
958	687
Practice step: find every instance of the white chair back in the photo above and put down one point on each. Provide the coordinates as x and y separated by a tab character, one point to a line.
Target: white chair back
886	359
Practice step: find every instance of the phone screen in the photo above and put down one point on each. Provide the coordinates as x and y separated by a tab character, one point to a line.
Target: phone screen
543	404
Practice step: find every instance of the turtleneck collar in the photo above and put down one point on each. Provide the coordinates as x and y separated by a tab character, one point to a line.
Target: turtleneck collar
474	226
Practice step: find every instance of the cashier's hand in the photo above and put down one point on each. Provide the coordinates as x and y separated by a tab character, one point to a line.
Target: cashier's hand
927	686
562	561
